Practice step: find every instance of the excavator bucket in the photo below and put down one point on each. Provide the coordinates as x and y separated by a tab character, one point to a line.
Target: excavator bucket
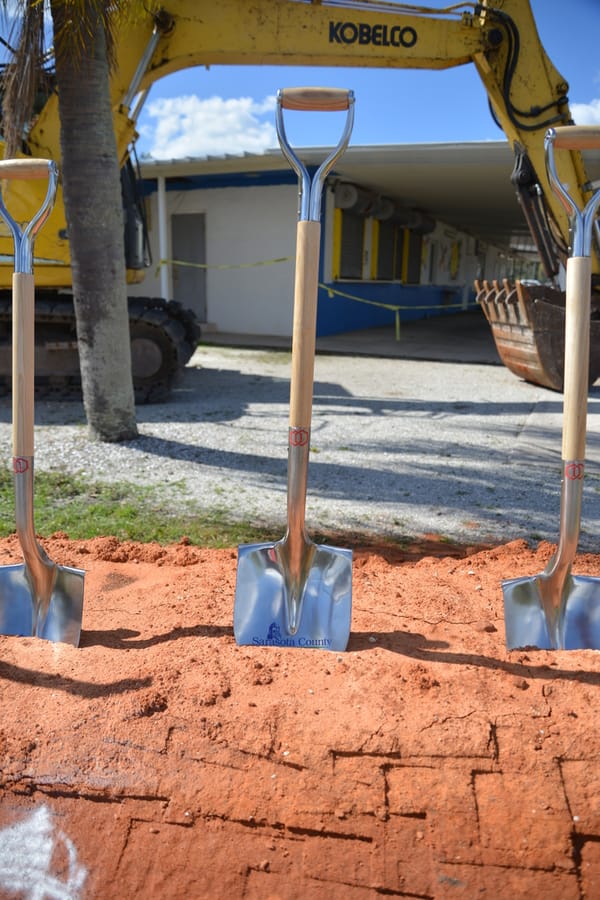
528	324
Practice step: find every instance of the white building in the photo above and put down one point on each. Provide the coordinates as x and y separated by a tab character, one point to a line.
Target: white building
405	227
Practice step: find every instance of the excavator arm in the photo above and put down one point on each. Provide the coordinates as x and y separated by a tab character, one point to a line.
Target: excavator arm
526	93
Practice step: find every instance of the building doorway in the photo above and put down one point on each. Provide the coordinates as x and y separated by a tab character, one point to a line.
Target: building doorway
188	242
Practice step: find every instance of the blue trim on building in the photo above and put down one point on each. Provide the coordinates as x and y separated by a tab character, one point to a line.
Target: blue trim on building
336	314
220	180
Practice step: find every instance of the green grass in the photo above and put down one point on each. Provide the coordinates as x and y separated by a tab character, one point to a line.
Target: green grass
84	509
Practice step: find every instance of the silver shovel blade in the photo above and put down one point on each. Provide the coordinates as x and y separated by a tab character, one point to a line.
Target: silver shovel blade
526	622
22	614
261	609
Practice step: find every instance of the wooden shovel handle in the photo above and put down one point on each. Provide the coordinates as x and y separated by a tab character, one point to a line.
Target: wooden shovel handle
305	320
24	168
23	293
577	354
317	99
577	137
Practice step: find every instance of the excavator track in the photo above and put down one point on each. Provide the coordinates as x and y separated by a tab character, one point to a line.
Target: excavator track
528	324
164	336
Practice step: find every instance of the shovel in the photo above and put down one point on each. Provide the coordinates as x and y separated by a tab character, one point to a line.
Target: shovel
557	610
37	598
295	593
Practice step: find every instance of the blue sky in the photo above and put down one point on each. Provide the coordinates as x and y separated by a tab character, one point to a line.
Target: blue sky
230	109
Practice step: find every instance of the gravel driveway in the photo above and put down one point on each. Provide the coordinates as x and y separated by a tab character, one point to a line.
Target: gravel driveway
400	447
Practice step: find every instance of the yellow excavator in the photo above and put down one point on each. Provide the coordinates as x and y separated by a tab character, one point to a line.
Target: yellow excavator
527	95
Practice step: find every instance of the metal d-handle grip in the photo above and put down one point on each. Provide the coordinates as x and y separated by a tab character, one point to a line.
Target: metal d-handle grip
24	299
573	137
310	99
25	170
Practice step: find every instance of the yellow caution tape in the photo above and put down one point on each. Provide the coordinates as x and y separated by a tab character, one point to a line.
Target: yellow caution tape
395	308
392	306
251	265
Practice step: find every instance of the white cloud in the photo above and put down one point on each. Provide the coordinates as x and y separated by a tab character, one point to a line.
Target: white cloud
586	113
190	126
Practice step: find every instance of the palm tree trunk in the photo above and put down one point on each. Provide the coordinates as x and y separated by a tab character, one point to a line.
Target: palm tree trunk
92	197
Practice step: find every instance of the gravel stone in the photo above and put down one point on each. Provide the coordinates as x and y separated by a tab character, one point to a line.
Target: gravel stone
399	447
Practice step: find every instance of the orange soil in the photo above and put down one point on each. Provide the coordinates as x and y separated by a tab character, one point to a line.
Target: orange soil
161	760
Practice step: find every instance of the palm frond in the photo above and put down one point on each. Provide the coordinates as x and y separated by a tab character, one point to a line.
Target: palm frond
79	19
21	77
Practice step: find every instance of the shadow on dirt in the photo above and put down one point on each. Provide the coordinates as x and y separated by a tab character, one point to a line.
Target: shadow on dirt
125	638
55	682
417	646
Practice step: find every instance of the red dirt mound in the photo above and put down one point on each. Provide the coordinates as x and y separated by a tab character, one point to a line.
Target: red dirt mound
161	760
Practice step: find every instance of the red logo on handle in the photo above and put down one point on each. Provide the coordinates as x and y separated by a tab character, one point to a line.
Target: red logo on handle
299	437
574	471
20	465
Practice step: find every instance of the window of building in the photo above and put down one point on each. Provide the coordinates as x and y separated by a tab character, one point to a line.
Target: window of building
394	252
351	245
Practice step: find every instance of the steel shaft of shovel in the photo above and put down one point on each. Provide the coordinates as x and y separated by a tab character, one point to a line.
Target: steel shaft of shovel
38	598
294	592
556	609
